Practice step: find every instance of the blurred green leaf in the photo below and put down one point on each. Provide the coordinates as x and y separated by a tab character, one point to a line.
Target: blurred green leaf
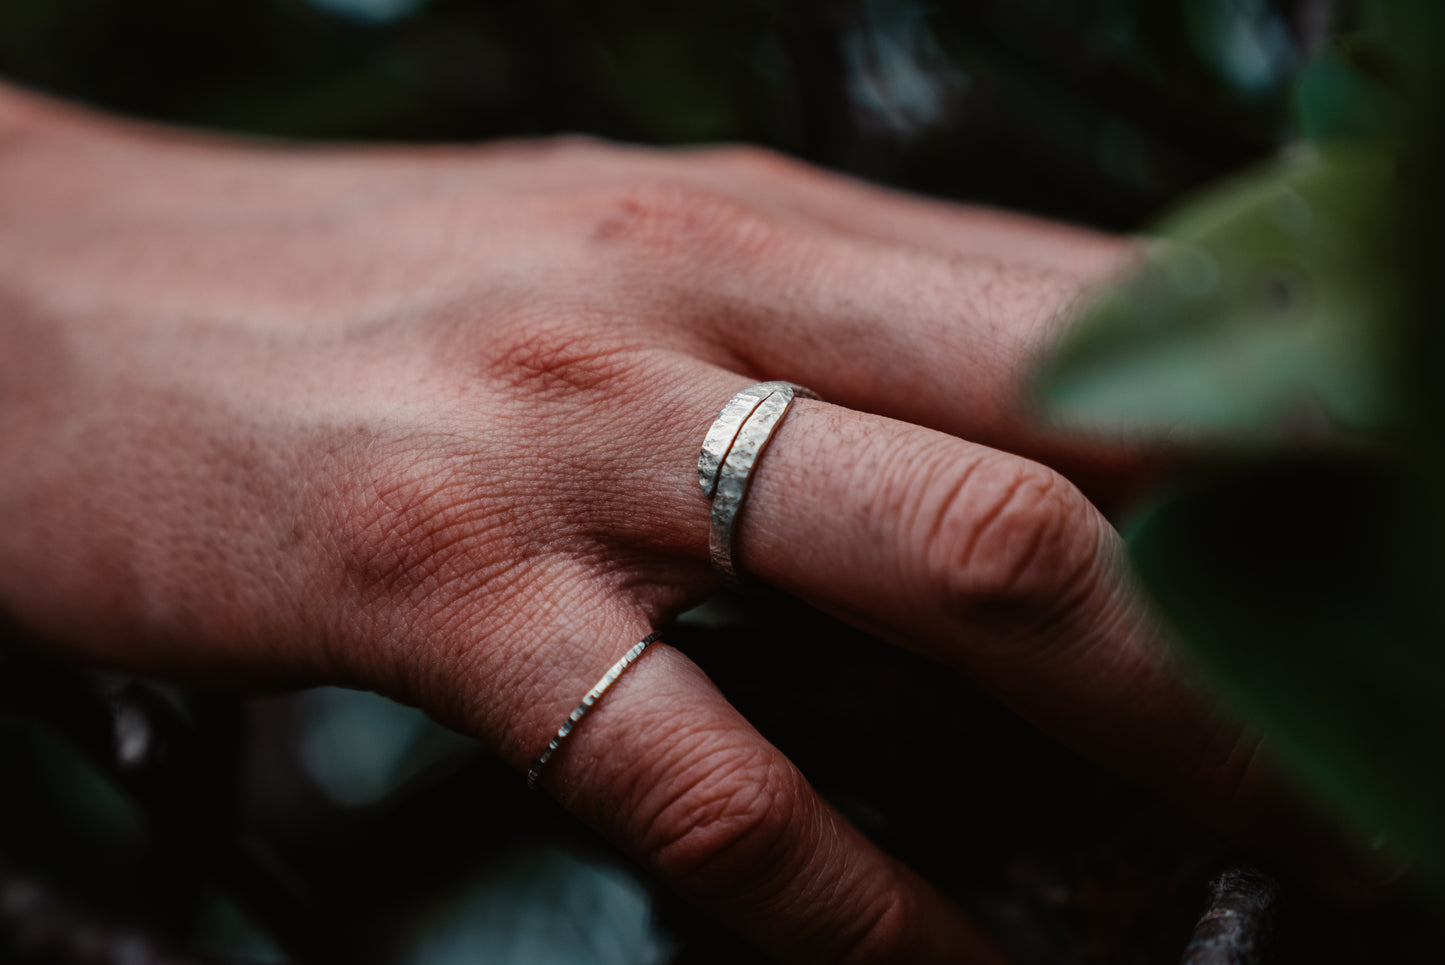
1286	578
1267	305
1289	305
1354	90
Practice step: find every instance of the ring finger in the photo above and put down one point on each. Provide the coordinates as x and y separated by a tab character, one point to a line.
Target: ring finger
986	562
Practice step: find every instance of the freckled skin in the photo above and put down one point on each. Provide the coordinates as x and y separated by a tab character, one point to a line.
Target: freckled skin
426	421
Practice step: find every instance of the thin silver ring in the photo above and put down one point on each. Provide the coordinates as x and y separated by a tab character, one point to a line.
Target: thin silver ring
628	659
743	447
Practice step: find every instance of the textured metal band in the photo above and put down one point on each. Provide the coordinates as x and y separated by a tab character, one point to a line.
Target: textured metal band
628	659
725	429
736	473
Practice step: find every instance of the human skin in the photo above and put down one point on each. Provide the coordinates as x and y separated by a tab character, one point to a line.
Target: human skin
425	421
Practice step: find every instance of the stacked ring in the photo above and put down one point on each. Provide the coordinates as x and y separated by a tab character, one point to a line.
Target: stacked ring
730	452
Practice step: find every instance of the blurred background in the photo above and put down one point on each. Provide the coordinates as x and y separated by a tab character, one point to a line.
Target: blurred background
1098	110
143	824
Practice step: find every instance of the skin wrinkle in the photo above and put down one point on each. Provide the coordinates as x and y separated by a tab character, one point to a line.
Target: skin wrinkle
1091	602
728	821
655	588
1009	511
805	892
888	927
879	924
675	219
555	362
397	540
444	624
673	777
1062	635
606	486
406	545
512	653
951	542
945	507
894	505
1098	571
1027	561
991	572
634	787
574	580
794	887
692	742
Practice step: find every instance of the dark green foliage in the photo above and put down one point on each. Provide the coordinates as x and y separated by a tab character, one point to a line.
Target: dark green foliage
1095	111
1304	570
1292	581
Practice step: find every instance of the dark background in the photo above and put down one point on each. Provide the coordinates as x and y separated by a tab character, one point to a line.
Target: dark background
1100	111
330	826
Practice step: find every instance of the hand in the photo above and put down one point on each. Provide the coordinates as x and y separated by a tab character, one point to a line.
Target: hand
426	421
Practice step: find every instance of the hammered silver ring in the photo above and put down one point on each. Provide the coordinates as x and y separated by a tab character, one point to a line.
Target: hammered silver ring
730	453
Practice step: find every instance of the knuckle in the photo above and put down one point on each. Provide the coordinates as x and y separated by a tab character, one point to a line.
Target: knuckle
1007	543
667	218
751	159
557	357
728	826
737	828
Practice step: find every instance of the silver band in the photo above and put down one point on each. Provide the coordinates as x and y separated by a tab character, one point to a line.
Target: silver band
725	429
628	659
730	452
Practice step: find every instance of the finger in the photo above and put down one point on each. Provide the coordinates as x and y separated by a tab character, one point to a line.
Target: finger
667	770
825	200
855	207
998	566
938	340
923	311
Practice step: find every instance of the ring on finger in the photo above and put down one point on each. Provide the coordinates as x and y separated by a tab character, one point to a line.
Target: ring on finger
730	452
